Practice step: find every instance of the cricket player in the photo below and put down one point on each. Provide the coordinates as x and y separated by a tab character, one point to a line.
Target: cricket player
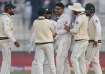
6	35
48	15
63	38
44	33
80	33
92	54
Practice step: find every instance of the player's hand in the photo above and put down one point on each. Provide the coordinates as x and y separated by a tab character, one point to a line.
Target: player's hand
67	28
54	35
16	44
95	44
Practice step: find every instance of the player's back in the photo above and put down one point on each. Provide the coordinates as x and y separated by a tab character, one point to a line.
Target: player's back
43	32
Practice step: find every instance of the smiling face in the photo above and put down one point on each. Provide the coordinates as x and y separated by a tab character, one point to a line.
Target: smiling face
11	11
89	9
59	10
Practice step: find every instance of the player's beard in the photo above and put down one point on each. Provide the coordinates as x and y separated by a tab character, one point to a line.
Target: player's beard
12	13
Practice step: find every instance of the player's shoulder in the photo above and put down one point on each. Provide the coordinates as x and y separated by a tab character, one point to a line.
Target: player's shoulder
4	16
53	21
35	22
95	18
65	17
47	21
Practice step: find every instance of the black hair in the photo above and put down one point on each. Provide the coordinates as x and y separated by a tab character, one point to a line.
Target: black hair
60	5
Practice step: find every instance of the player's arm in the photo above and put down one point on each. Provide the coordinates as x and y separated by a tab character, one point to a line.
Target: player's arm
98	31
53	28
32	39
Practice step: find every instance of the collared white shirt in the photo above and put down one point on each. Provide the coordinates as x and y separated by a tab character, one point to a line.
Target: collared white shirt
7	23
94	28
64	19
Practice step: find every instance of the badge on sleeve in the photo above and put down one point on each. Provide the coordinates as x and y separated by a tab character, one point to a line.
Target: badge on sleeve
96	21
77	22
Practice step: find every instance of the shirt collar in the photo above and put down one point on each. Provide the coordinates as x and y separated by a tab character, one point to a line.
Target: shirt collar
41	17
61	15
81	13
6	14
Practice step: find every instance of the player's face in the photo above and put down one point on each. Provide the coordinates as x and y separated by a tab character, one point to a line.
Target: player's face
58	10
75	13
89	14
11	11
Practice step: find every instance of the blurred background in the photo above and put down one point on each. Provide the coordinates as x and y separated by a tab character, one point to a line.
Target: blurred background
27	12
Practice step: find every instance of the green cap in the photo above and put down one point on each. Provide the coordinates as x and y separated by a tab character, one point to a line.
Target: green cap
90	8
43	11
9	5
47	11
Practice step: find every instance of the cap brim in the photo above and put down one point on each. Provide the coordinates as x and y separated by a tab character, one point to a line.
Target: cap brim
75	9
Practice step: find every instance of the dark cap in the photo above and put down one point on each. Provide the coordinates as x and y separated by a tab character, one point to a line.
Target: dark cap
89	8
43	11
9	6
47	11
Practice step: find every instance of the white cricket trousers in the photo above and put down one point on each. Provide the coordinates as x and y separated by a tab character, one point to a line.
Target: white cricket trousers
92	57
78	56
6	54
63	43
40	54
